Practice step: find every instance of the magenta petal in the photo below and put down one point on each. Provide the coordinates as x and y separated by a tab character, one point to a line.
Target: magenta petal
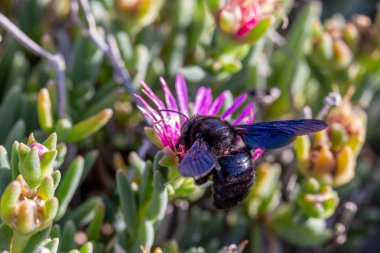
207	101
181	90
169	98
199	99
153	112
237	102
218	103
147	114
246	116
149	93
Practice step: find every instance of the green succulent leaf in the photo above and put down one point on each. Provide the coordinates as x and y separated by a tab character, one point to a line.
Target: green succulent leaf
69	185
305	233
145	237
86	248
5	237
159	200
88	126
15	161
67	240
85	213
127	202
5	172
94	229
50	244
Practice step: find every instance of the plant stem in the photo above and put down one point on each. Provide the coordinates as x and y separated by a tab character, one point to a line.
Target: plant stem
108	46
19	242
56	60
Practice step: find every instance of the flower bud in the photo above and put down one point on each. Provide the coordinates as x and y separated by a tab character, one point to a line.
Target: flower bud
133	7
342	54
44	109
317	200
26	222
351	36
27	210
352	118
333	152
30	167
36	160
316	28
143	12
237	18
323	48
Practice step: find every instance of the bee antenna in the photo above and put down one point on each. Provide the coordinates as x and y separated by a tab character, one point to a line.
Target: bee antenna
173	180
180	113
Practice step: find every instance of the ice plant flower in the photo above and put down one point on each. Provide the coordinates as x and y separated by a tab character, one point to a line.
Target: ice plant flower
238	17
168	117
248	20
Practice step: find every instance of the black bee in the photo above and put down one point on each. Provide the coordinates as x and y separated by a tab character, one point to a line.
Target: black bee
219	151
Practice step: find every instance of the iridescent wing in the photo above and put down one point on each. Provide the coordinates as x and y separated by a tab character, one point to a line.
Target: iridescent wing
277	134
198	161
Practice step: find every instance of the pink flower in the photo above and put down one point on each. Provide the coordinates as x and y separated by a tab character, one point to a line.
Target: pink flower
167	125
238	17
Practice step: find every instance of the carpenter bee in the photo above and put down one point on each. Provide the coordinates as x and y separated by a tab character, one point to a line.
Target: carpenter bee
221	152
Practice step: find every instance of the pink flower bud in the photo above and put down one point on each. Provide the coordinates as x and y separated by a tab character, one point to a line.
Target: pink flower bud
238	17
41	148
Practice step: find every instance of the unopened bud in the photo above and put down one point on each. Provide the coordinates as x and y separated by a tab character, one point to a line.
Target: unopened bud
36	160
342	54
45	114
238	17
317	200
27	210
323	48
351	36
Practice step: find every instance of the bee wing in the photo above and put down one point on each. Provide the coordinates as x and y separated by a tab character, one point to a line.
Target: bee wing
277	134
198	161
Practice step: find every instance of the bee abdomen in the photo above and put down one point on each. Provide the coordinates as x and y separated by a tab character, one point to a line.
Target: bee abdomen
233	182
